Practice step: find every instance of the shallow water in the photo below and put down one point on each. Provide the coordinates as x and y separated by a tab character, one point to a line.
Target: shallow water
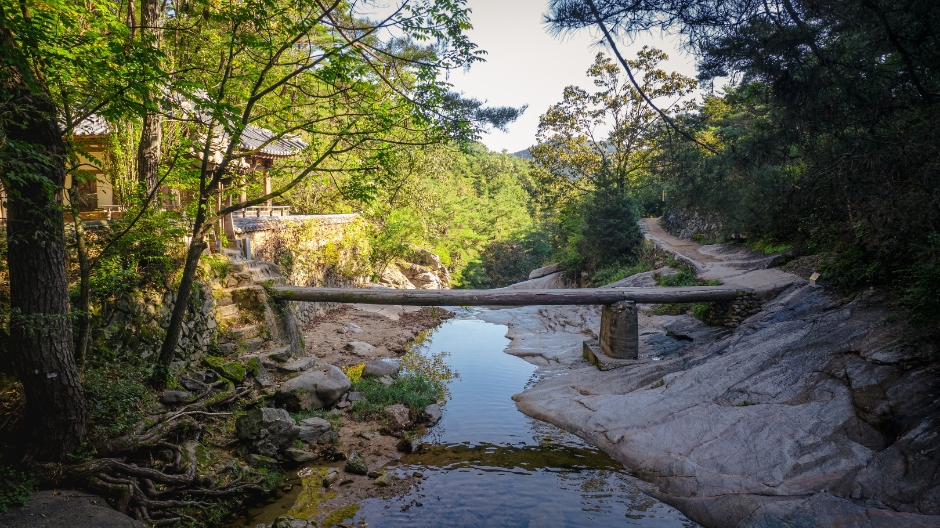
487	464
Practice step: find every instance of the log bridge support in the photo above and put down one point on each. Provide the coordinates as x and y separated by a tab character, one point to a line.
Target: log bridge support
619	337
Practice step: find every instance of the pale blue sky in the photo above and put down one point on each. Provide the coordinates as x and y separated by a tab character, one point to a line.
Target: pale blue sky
527	65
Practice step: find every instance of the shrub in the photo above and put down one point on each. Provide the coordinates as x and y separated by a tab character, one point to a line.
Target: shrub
16	487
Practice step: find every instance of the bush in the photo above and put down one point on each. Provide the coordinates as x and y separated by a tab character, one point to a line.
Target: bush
16	487
116	400
617	272
414	391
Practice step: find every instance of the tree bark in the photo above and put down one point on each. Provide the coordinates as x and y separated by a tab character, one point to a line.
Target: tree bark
151	133
83	317
32	170
505	297
183	293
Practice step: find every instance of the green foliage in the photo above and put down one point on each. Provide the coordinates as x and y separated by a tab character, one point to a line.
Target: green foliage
16	487
682	278
617	272
769	246
117	400
146	257
423	381
412	390
393	239
220	266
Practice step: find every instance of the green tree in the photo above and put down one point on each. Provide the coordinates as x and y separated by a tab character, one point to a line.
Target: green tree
62	61
611	127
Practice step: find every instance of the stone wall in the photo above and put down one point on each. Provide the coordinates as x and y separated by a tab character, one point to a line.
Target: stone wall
687	223
135	323
311	250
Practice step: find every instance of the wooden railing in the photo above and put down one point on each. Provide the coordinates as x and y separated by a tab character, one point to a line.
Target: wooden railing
262	211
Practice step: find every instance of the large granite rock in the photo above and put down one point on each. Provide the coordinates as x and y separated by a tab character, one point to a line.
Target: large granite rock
267	431
813	412
318	388
75	509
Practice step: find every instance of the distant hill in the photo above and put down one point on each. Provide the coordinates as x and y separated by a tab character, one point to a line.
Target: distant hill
524	154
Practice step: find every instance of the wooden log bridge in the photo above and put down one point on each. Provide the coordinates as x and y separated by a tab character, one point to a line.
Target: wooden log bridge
619	337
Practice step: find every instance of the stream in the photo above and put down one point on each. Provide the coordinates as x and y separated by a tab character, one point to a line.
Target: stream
487	464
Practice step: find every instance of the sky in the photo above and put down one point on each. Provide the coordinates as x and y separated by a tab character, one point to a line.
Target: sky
527	65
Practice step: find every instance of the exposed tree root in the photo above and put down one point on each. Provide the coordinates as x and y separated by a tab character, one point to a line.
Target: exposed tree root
151	474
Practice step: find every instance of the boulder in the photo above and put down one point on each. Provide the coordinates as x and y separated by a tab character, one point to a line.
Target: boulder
260	374
175	397
75	509
267	431
399	414
546	270
356	464
299	456
385	479
314	389
193	384
386	380
379	368
354	328
436	413
262	462
426	281
391	276
359	348
232	371
312	429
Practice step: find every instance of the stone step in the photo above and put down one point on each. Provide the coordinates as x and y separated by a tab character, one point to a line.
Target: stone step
240	266
233	254
246	332
223	311
230	320
253	344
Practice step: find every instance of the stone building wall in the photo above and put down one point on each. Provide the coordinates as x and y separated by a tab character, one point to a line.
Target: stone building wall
311	250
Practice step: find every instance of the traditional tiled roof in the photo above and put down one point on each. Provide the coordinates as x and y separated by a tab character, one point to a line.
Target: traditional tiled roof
93	125
251	139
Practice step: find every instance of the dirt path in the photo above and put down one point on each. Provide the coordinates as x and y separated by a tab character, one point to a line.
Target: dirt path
686	248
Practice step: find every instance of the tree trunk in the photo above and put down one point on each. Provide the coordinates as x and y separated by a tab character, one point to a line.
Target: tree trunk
83	317
181	304
151	133
32	169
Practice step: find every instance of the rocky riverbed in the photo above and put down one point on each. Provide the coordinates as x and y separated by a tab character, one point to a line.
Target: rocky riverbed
816	411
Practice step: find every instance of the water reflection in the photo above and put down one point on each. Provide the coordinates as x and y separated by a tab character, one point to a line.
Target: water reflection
487	464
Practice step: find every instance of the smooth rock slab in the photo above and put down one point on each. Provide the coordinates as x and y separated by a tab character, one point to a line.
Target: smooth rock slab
314	389
74	509
262	462
299	456
379	368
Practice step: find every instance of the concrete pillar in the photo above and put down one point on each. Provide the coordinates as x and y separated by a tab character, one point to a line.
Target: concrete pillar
620	333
